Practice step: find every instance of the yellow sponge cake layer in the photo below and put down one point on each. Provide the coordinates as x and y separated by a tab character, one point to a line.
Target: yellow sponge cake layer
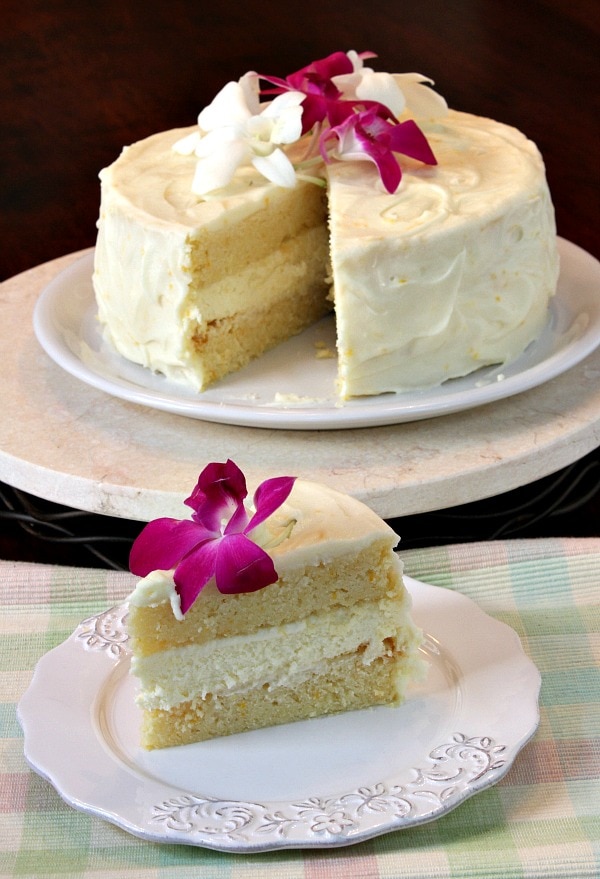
300	591
344	684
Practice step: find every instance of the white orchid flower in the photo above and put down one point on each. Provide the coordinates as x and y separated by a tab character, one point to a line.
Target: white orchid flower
233	130
398	92
422	101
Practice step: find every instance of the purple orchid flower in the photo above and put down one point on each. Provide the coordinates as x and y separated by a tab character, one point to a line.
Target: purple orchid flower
368	135
216	540
323	98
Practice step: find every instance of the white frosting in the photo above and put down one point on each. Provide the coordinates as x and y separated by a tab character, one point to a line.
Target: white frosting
155	589
327	524
453	271
282	656
450	273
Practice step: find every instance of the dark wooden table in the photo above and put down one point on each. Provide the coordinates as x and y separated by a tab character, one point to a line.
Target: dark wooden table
80	80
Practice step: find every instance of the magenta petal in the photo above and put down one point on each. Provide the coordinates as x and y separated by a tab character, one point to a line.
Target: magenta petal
194	571
162	543
242	566
369	135
218	494
389	170
339	111
316	82
318	74
268	497
314	110
387	164
238	520
407	138
333	65
366	136
282	85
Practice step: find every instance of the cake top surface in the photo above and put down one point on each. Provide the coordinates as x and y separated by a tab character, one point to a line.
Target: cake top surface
154	179
291	522
482	166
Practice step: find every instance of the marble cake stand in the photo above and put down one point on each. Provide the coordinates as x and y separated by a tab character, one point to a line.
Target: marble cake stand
66	442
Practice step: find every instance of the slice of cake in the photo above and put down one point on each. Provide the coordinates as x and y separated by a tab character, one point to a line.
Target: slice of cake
257	619
434	229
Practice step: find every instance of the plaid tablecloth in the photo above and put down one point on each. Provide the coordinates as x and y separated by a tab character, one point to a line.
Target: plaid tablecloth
542	820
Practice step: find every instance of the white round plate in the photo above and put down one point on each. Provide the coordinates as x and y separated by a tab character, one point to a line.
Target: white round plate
326	782
290	387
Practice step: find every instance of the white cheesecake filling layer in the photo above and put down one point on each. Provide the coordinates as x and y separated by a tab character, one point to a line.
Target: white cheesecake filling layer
281	656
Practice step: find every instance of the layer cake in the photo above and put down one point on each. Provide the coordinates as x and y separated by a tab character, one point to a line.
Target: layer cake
447	269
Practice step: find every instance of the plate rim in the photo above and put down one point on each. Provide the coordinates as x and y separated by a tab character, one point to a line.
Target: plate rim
394	409
104	651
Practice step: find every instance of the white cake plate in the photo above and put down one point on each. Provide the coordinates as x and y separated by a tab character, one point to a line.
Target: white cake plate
292	387
66	441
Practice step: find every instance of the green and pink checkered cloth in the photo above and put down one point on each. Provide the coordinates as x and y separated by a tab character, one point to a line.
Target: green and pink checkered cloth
542	820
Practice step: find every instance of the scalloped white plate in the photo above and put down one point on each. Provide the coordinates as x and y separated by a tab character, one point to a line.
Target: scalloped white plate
326	782
261	395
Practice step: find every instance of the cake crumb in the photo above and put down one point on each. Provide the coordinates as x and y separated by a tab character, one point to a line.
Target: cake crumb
323	351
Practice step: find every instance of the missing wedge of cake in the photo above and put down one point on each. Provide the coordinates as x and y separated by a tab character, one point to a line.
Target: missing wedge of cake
252	617
430	232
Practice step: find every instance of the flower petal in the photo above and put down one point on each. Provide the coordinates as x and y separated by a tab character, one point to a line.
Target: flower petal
389	170
314	110
368	135
277	168
315	81
214	542
286	113
268	497
250	86
216	169
382	88
408	139
422	101
162	543
194	571
218	494
281	103
242	566
357	58
217	141
186	146
316	78
229	106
